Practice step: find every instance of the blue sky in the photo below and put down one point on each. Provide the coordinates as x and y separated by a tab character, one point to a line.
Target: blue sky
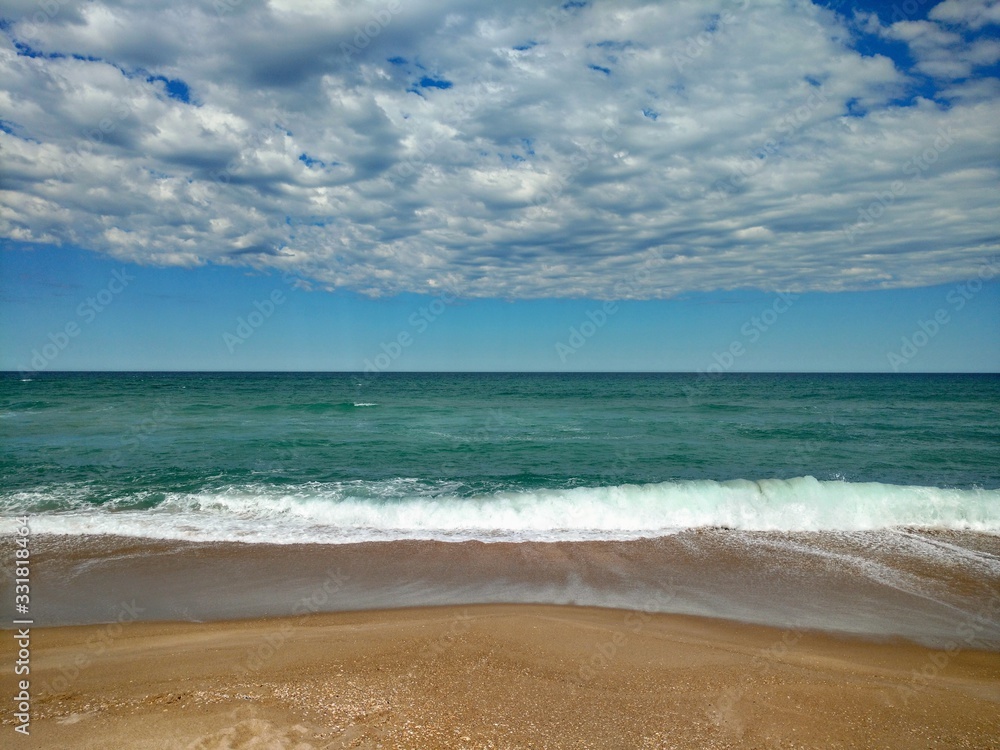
635	185
183	319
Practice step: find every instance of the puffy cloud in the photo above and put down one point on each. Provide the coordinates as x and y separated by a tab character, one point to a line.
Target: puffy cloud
974	14
511	151
944	46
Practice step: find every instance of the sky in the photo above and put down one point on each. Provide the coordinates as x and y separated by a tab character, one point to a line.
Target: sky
756	185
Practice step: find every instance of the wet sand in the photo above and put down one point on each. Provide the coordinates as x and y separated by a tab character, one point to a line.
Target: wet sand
499	676
920	585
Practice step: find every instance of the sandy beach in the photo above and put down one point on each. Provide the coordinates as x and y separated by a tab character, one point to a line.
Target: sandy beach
707	639
500	676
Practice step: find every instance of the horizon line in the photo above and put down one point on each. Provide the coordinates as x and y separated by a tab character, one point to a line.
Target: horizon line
495	372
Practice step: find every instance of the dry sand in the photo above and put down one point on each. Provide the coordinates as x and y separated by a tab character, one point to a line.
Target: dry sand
498	676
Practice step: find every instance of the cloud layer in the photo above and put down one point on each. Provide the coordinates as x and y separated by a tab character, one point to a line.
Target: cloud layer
513	150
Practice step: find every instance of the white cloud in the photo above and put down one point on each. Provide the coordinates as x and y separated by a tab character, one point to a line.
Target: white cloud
941	46
512	151
974	14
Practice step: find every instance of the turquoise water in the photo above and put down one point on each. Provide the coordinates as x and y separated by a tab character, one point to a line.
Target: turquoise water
344	457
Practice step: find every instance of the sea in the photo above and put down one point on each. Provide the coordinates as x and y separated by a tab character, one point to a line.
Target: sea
347	457
819	468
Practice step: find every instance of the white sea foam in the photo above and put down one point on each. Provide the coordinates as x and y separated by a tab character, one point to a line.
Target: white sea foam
408	509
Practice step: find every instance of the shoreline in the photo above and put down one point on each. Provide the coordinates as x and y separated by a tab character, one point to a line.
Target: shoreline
923	587
502	676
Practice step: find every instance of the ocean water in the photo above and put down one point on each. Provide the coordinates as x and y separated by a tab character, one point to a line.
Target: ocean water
349	457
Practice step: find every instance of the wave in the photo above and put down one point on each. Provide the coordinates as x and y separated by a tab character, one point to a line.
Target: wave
343	512
313	408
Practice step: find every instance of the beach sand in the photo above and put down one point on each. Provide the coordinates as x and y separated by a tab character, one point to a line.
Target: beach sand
709	639
499	676
923	586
